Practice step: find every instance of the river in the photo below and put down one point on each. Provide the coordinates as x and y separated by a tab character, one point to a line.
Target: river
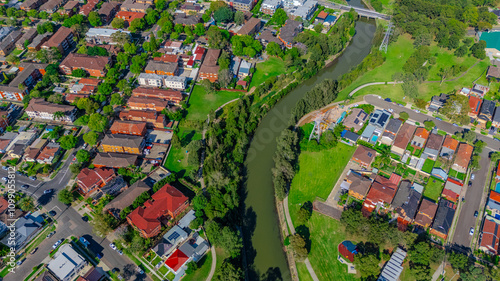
265	257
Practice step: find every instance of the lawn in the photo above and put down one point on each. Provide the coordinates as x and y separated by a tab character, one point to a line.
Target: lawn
271	67
456	174
170	276
201	103
433	189
303	273
177	160
318	173
163	270
203	270
397	54
428	165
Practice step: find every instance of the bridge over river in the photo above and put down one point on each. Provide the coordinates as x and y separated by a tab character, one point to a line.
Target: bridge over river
361	11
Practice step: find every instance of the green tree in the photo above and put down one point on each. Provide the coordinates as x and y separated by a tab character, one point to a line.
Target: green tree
367	265
79	73
116	99
239	17
118	23
26	204
91	138
137	25
68	141
94	19
231	241
65	196
298	245
274	49
199	29
83	156
101	225
97	122
279	17
228	272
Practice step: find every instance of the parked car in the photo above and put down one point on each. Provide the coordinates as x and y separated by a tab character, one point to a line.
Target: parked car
33	178
471	231
120	252
19	262
470	183
47	191
417	111
476	213
52	213
84	242
51	234
5	168
437	118
455	124
33	251
138	269
25	186
113	246
472	176
5	178
57	244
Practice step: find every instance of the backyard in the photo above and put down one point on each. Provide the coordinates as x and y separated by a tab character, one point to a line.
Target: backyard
201	103
433	189
428	165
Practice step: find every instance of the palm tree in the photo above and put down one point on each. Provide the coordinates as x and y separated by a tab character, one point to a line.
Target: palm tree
26	204
58	115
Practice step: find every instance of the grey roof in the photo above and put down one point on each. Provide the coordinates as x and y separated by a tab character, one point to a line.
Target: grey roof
394	125
24	229
351	136
290	30
487	109
245	67
175	235
453	187
187	219
444	216
162	248
402	194
417	187
496	116
122	140
194	247
439	173
393	268
380	118
105	32
9	136
161	66
114	160
368	132
492	204
66	261
114	186
127	197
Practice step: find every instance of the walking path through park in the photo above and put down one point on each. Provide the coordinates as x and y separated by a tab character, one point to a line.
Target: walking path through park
292	232
214	263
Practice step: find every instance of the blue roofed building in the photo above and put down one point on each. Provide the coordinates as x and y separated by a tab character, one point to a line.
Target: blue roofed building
330	20
439	173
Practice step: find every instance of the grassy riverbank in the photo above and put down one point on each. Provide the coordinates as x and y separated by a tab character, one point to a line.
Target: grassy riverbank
397	54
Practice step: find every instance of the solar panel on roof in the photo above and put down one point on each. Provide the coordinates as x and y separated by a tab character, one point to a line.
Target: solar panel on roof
174	236
370	154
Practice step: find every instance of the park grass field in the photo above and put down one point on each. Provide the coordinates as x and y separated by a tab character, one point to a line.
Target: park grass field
397	54
318	173
201	103
433	189
177	158
263	70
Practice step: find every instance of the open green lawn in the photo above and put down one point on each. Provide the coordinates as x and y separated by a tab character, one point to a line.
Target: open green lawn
201	103
318	173
177	160
303	273
271	67
203	270
433	189
397	54
170	276
428	165
456	174
163	270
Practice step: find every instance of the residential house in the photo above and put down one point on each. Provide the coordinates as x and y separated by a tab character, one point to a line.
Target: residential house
31	4
433	146
490	235
356	119
364	156
190	8
9	42
251	27
25	229
195	247
128	128
34	149
168	58
444	218
67	263
80	89
39	40
330	21
449	146
479	90
48	153
438	102
267	36
27	37
350	136
136	6
420	138
426	213
244	69
129	16
108	11
126	198
114	160
348	250
168	202
70	8
209	68
160	68
321	16
62	40
151	117
89	181
356	184
394	267
493	73
94	65
172	96
268	7
41	109
304	11
6	139
496	118
475	106
241	5
144	103
487	111
381	193
170	241
376	126
452	190
186	19
51	6
102	35
391	130
122	143
12	93
176	260
493	204
155	80
289	31
88	7
464	154
406	202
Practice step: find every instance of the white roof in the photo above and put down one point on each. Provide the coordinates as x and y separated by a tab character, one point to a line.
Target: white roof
65	262
103	31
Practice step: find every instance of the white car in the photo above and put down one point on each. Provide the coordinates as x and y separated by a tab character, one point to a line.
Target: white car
112	246
57	244
472	176
471	231
5	178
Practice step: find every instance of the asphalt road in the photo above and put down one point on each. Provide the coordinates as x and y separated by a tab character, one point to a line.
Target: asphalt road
466	220
473	197
70	223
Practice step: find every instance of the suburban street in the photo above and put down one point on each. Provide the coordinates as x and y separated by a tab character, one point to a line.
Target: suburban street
466	219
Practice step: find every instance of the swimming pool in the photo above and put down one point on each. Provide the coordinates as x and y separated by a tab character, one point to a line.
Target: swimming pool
497	187
374	138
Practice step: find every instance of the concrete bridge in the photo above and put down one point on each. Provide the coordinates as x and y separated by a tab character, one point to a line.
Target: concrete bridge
361	11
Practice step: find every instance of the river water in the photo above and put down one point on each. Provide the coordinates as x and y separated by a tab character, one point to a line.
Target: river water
265	257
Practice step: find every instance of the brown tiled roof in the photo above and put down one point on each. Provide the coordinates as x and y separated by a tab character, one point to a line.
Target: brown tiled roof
127	197
359	184
144	114
147	102
90	81
87	8
87	178
268	36
475	104
161	66
434	141
157	93
167	58
422	132
493	71
450	143
464	154
426	212
404	135
249	27
128	127
40	105
71	5
48	151
122	140
88	62
108	7
59	37
209	64
364	154
114	160
382	190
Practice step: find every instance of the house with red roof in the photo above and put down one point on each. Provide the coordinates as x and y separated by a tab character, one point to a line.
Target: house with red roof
474	105
464	154
166	203
176	260
89	181
348	250
452	190
381	193
490	235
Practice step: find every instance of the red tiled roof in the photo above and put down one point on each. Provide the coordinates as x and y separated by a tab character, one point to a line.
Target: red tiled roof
490	236
176	260
449	194
88	179
382	190
167	199
495	196
498	169
90	81
87	8
172	95
422	132
3	205
464	154
475	104
450	143
129	16
167	58
128	127
395	179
